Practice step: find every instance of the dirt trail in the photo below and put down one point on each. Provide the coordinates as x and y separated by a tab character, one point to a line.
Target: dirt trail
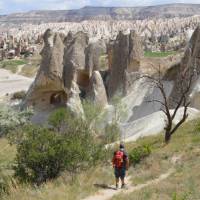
109	192
19	69
10	83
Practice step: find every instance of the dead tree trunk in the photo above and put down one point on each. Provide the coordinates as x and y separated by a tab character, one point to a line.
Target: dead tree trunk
185	82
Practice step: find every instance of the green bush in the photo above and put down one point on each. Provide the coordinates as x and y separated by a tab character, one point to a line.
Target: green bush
10	119
44	153
112	133
59	119
139	153
39	155
19	95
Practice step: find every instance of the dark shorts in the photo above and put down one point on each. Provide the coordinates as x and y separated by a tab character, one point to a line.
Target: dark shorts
120	172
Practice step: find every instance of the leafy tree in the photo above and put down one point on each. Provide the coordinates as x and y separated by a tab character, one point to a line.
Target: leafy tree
112	133
119	109
44	153
91	112
39	155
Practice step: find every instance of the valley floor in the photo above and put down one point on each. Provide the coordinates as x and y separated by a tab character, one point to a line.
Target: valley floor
10	83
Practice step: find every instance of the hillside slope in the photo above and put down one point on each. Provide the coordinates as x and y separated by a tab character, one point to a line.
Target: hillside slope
182	155
104	13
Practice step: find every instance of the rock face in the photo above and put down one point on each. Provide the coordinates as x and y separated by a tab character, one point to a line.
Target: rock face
93	53
74	57
74	102
71	70
190	66
48	87
191	61
124	58
96	91
65	74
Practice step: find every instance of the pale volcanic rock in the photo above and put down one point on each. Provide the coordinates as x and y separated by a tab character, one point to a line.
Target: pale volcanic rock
93	53
97	92
48	85
191	61
124	58
74	56
74	102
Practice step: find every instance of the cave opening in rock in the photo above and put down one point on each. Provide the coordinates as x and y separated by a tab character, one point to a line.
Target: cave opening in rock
83	79
58	99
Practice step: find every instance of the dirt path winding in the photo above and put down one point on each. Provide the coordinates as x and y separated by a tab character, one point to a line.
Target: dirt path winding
108	193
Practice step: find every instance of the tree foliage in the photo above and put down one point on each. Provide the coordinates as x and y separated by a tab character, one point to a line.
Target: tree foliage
10	119
44	153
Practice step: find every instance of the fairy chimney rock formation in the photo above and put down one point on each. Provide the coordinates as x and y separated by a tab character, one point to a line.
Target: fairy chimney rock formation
97	92
124	57
71	70
189	67
74	57
48	87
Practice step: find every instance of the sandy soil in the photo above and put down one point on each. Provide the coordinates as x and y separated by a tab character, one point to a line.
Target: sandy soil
11	83
106	194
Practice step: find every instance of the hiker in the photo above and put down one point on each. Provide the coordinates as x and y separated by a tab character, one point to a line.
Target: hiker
120	163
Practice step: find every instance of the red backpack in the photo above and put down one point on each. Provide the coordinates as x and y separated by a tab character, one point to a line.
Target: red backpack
119	159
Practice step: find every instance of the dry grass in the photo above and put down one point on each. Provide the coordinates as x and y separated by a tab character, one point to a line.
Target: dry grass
7	154
184	184
63	188
32	67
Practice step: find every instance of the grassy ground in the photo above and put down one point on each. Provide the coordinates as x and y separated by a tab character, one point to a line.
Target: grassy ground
62	188
159	54
183	184
7	154
31	68
12	65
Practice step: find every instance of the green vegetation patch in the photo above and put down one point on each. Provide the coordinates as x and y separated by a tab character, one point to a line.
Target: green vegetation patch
159	54
19	95
139	153
12	65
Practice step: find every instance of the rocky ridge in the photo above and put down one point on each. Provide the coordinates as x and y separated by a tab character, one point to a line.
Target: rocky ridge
104	13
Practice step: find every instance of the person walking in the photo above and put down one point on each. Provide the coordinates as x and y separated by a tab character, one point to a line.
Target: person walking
120	163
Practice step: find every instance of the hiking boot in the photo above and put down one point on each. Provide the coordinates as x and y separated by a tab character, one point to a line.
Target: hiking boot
123	186
117	186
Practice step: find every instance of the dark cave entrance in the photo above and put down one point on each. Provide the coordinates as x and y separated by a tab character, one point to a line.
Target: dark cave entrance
83	81
58	99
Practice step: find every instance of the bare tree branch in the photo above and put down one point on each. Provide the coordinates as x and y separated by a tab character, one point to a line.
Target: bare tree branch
185	83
